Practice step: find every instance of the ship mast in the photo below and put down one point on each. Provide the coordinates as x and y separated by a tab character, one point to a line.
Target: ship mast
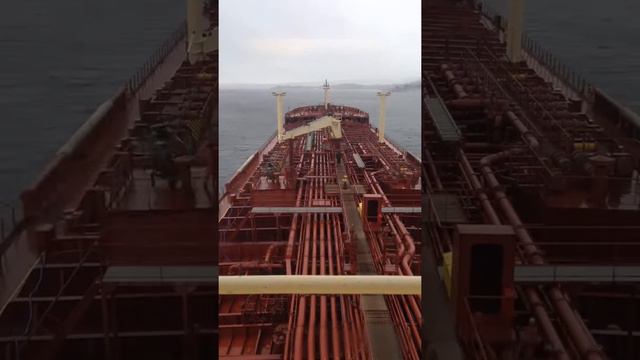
514	30
326	88
279	113
382	96
199	41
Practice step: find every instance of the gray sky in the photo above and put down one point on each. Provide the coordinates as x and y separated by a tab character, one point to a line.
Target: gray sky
292	41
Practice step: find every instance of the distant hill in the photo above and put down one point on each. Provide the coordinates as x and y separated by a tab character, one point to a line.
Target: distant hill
407	86
389	87
400	86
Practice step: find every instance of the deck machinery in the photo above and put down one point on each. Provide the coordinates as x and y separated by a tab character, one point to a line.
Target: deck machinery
531	198
333	200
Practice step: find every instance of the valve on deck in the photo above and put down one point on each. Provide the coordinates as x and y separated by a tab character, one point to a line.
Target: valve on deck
271	171
345	182
168	142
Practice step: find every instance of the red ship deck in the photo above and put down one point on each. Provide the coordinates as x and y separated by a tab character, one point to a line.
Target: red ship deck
543	181
301	219
103	249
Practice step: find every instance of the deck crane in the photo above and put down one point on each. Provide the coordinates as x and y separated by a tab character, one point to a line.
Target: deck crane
330	122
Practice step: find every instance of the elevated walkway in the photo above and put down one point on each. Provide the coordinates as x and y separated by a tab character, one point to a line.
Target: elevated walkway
383	340
445	125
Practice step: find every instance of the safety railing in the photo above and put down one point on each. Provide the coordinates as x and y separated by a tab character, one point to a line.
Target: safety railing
621	116
11	214
513	88
10	218
557	67
491	14
543	56
34	325
157	57
588	253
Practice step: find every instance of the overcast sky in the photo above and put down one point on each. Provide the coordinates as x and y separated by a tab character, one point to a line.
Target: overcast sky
292	41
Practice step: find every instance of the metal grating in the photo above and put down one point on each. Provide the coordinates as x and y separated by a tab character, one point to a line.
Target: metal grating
576	274
297	210
358	160
445	125
401	210
161	274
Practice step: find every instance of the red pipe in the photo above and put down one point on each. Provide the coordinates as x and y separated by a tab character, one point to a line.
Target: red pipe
324	342
311	332
343	311
524	131
292	233
267	256
584	342
406	253
475	182
539	311
335	341
451	78
300	324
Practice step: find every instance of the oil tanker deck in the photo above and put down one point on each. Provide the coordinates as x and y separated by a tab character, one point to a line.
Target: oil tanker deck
531	197
327	195
114	257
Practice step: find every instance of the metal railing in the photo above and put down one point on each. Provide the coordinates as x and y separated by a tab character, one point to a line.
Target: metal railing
543	56
33	324
10	217
142	74
492	15
512	88
557	67
11	214
577	253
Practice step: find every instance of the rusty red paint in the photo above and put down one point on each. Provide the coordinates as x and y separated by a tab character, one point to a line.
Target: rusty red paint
318	326
526	160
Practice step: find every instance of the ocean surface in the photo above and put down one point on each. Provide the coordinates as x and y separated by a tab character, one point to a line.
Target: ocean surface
60	59
599	39
248	118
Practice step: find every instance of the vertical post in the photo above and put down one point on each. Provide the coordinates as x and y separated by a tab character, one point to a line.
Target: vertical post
188	343
104	293
326	94
279	113
291	176
381	123
194	27
116	352
514	30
